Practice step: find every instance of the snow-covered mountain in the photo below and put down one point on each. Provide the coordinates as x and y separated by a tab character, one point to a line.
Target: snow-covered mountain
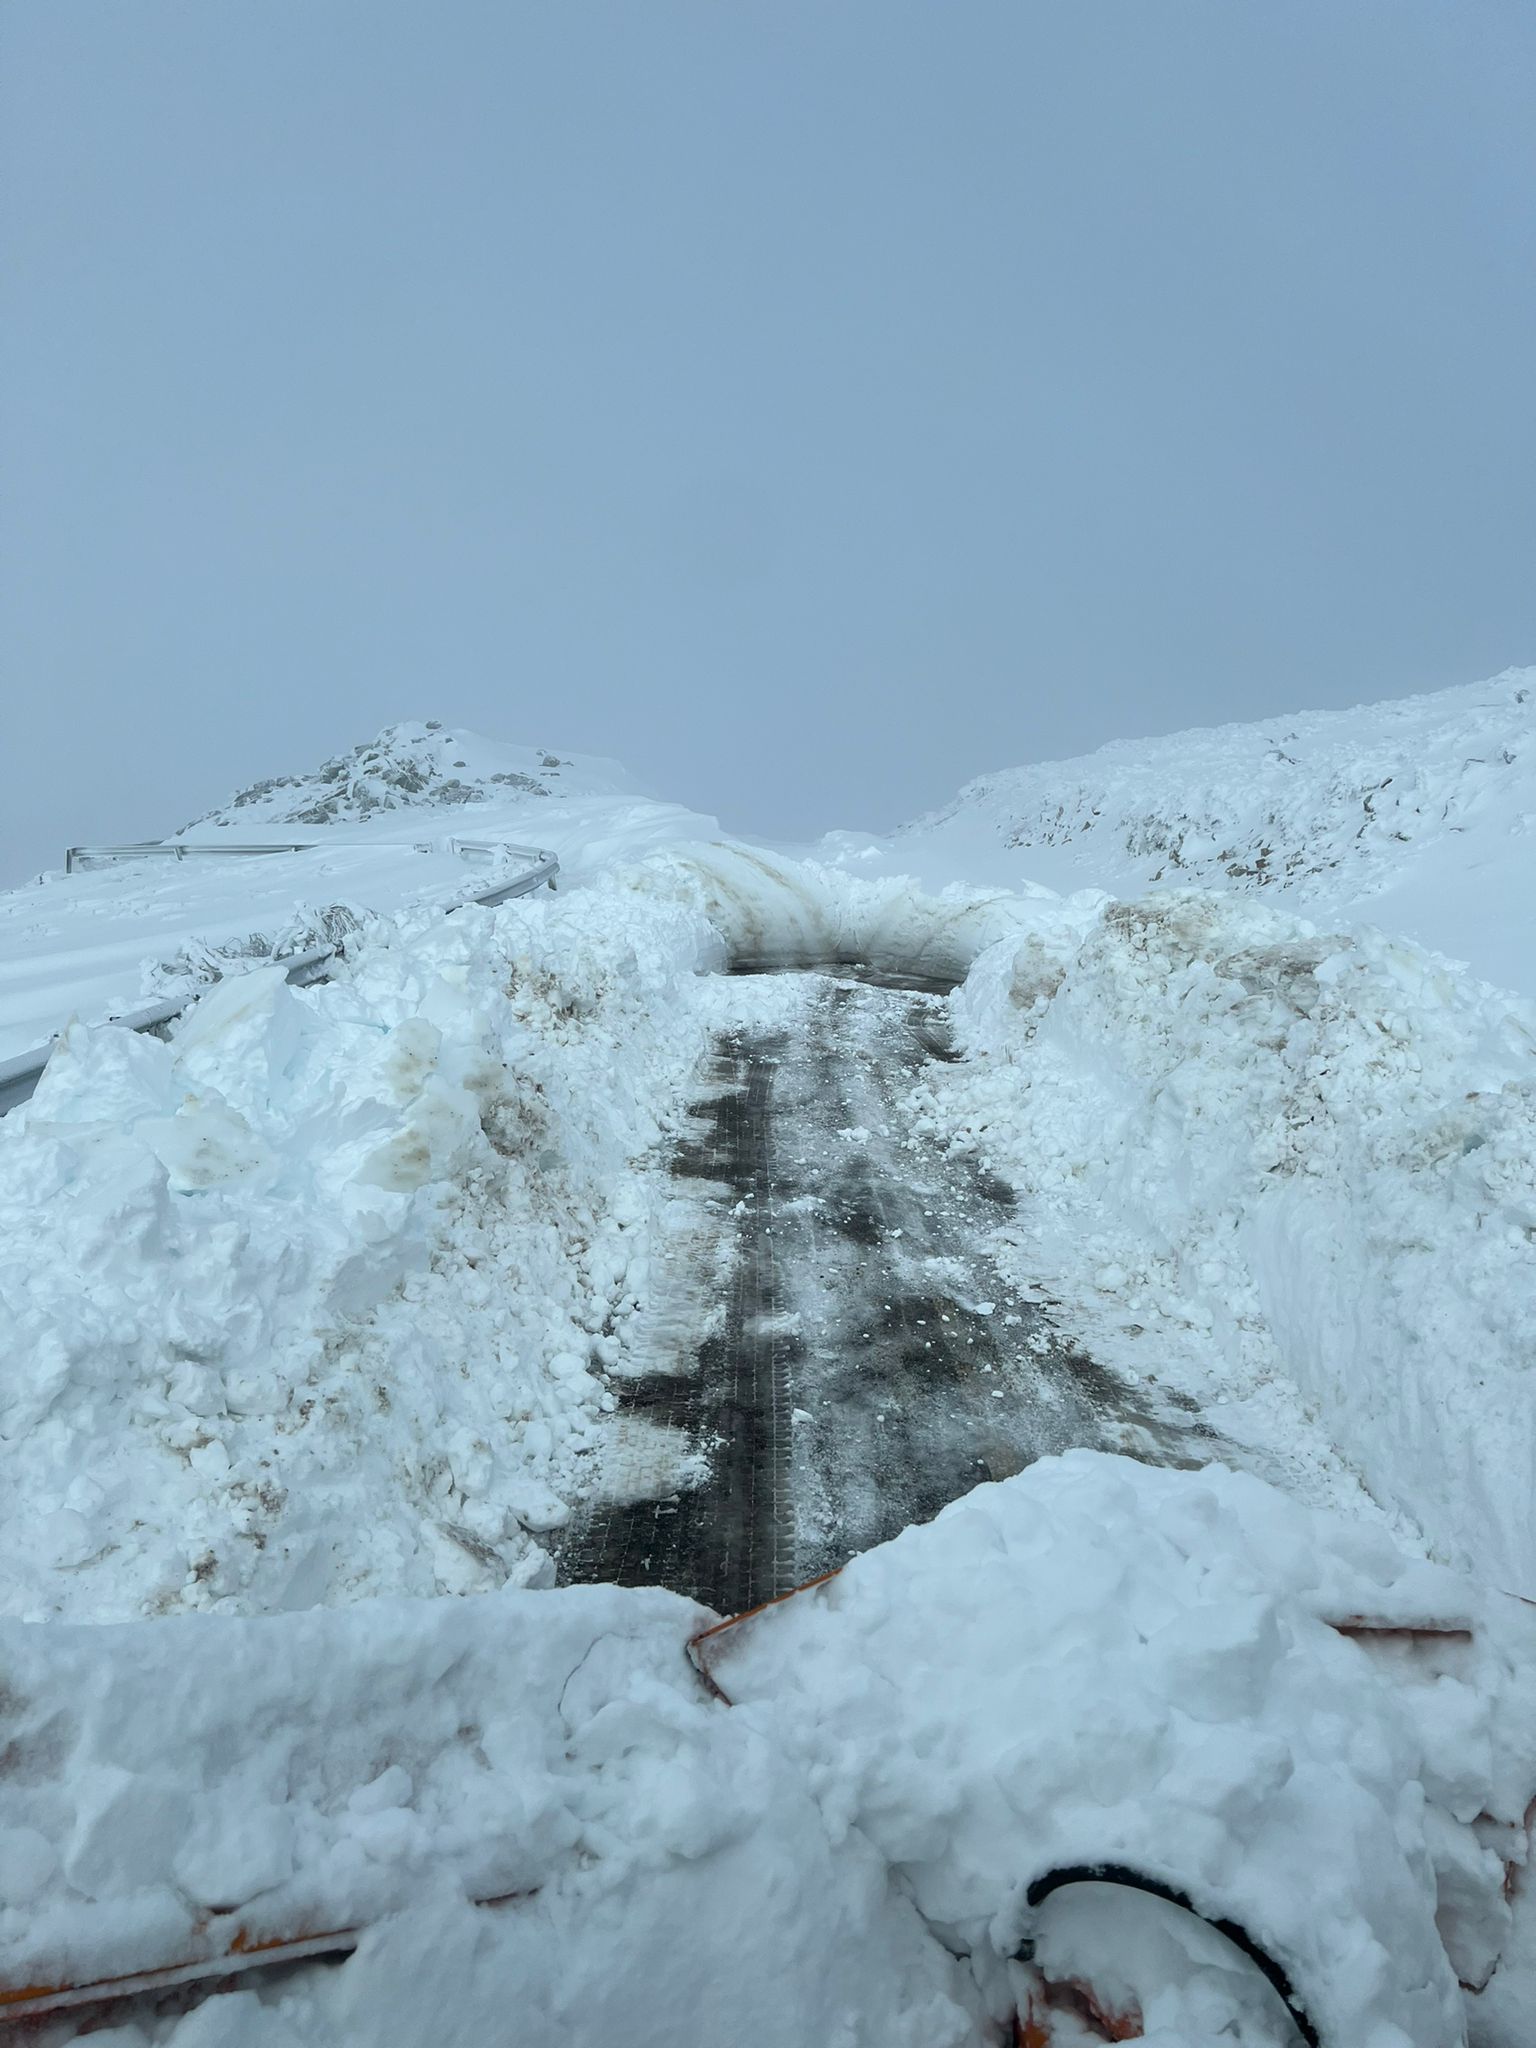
330	1295
377	827
414	767
1418	814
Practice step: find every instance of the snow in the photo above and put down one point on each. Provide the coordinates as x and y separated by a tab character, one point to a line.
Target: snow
1127	1666
1116	1663
383	822
311	1301
1417	814
774	910
1285	1156
659	1860
313	1313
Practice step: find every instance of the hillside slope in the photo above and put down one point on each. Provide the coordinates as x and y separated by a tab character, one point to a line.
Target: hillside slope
378	825
1418	815
414	767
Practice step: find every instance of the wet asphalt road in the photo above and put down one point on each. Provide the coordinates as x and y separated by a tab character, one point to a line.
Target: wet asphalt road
835	1346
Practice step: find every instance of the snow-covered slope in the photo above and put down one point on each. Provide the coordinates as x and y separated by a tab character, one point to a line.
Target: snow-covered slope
1418	815
319	1301
415	767
381	820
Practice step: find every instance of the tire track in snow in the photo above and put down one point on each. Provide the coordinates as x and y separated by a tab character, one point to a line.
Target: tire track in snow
727	1399
847	1359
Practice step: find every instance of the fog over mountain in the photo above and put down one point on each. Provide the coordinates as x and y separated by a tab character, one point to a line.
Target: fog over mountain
772	398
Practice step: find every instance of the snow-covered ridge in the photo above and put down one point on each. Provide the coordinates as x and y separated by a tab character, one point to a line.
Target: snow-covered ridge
1418	814
1282	800
378	828
413	767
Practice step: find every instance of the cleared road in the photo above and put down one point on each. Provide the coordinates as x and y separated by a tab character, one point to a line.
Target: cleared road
834	1354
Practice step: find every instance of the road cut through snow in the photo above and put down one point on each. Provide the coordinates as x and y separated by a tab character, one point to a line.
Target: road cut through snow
830	1351
335	1297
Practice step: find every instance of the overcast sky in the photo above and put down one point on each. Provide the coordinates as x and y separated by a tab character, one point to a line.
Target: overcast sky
812	402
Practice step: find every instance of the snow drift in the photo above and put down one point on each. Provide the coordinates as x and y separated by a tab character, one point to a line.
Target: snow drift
772	911
1116	1663
1275	1149
318	1298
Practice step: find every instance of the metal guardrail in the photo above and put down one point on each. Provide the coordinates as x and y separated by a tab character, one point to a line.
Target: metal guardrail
79	860
20	1075
546	866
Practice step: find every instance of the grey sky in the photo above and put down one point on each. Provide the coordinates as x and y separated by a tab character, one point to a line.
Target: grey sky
812	404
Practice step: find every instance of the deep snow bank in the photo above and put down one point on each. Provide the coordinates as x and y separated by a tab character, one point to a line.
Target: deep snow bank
668	1875
1113	1662
316	1299
775	911
1098	1662
1276	1149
